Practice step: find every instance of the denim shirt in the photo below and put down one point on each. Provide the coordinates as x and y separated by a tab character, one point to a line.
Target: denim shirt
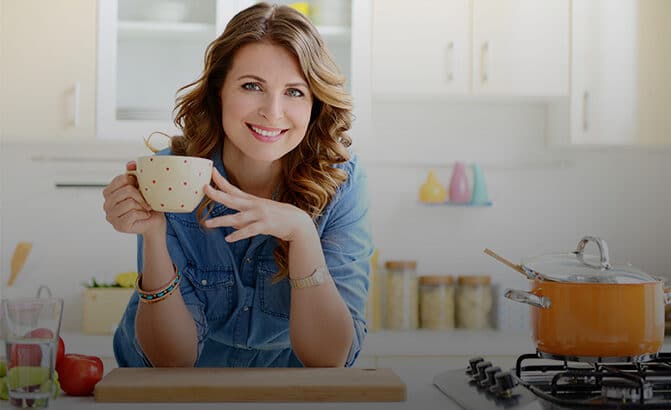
242	318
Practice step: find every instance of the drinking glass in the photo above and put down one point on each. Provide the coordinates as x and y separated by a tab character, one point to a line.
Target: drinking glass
30	329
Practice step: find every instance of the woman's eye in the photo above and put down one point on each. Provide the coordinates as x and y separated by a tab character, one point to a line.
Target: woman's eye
293	92
251	86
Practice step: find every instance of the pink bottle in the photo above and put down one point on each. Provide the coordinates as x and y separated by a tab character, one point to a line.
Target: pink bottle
459	191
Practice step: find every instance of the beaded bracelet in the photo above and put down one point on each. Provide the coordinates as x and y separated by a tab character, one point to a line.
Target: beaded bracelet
157	295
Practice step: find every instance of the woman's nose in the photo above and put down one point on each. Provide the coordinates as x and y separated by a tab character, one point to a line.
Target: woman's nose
271	109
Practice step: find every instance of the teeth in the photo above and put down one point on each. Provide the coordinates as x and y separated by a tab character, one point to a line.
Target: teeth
266	133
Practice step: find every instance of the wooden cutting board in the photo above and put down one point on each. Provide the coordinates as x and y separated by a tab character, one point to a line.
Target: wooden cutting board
250	385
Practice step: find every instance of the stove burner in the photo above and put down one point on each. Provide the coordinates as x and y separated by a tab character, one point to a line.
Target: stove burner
540	382
625	390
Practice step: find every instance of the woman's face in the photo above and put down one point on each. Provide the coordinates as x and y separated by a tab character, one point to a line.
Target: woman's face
266	102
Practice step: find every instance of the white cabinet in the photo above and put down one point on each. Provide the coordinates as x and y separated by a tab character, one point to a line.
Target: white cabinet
47	72
620	90
521	47
421	47
471	47
148	50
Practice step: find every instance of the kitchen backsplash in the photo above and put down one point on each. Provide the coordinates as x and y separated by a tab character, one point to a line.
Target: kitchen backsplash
544	198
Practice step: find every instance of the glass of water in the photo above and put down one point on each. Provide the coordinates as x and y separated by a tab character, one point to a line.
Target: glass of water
30	328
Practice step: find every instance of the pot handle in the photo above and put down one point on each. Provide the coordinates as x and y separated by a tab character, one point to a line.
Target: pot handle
528	298
603	251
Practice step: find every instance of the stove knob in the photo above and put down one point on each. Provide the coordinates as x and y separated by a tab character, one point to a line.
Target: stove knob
489	376
504	383
481	367
471	365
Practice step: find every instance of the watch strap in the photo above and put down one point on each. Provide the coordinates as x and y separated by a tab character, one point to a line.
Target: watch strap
316	278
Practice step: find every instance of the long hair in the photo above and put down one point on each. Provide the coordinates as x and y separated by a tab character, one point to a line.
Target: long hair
309	179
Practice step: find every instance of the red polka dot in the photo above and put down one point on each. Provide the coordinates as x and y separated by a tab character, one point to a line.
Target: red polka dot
167	168
162	205
153	181
151	159
146	189
186	162
196	192
182	206
169	188
185	183
142	170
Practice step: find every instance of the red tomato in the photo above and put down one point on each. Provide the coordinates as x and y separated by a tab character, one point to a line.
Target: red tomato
29	355
78	374
61	351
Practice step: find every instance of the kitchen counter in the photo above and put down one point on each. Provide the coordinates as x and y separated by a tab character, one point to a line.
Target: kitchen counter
381	343
415	356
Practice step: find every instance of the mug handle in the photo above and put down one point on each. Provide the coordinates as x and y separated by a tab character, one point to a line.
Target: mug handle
147	141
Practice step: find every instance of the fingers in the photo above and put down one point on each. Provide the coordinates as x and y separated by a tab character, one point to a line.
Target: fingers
118	182
237	220
131	166
230	200
123	193
223	183
246	232
129	221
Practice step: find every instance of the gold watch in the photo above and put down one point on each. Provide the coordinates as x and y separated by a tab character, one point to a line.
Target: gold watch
316	278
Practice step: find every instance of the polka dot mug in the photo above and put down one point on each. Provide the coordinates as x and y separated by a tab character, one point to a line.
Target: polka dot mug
172	183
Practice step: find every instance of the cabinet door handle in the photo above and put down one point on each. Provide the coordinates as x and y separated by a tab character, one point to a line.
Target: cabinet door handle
75	107
484	62
585	111
449	60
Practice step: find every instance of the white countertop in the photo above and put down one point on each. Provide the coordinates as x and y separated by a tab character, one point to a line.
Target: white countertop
382	343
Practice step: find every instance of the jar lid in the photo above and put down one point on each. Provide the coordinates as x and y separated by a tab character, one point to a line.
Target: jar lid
400	264
436	280
474	280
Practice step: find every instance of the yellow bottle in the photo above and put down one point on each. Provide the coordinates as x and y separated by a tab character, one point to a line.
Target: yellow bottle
432	191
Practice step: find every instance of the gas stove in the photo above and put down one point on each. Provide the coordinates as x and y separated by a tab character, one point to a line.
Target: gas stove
541	381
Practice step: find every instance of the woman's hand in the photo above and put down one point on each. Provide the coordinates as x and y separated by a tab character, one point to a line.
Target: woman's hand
126	209
256	215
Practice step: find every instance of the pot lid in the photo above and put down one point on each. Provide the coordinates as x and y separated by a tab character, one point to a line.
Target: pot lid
579	267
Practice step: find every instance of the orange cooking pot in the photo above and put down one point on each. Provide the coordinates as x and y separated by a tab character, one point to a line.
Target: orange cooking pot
582	308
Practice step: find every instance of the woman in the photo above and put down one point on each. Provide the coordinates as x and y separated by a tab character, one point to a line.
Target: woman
273	267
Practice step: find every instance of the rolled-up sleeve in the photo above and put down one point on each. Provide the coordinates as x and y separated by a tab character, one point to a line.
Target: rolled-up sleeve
348	245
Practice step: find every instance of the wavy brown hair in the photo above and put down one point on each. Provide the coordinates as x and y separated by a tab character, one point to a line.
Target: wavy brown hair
309	179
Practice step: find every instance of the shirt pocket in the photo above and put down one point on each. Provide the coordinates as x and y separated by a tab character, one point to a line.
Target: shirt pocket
275	297
213	286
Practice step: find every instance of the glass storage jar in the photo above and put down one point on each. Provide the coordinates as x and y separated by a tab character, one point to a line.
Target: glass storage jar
473	302
436	302
402	306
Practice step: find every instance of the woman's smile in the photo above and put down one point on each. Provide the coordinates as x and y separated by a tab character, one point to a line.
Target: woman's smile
265	134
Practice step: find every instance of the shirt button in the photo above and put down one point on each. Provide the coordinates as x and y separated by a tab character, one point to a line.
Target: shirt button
246	308
248	260
203	282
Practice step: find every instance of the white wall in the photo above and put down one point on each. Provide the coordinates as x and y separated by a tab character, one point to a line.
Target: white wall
545	199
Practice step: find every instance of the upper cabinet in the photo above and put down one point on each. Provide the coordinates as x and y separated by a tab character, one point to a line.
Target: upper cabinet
471	47
621	60
47	71
147	50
